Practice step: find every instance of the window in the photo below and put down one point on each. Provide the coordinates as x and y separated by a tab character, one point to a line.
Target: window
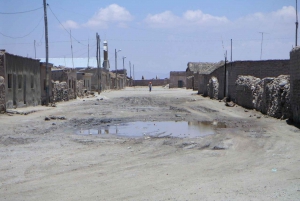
9	81
20	81
45	87
32	82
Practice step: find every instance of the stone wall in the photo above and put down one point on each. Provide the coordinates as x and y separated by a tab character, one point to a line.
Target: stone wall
61	92
158	82
295	83
270	95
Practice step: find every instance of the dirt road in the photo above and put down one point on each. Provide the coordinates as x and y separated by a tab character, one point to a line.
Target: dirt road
250	157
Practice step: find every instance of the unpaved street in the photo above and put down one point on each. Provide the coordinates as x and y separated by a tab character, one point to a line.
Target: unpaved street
250	157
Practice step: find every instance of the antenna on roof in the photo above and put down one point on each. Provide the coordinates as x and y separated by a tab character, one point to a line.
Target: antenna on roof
296	22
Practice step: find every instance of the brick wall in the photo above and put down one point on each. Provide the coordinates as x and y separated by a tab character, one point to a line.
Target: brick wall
295	83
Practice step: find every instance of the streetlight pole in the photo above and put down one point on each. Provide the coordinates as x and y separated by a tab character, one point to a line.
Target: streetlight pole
124	79
116	57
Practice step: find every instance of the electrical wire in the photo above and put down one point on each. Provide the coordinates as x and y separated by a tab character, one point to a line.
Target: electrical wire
24	35
21	12
63	25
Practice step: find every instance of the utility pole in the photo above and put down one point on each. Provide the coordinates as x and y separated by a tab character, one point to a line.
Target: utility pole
88	64
296	22
130	72
98	63
124	79
47	53
116	57
133	72
231	52
71	48
34	50
225	74
262	40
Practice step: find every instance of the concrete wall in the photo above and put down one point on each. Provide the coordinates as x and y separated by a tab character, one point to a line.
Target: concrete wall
200	78
158	82
176	76
22	81
295	83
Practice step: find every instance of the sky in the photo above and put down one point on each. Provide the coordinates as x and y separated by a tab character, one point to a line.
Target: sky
156	36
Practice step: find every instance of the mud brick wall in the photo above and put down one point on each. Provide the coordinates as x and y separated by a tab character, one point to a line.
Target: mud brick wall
295	83
259	69
158	82
2	94
175	76
2	82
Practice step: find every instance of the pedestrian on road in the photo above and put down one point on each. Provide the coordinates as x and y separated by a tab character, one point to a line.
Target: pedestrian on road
150	86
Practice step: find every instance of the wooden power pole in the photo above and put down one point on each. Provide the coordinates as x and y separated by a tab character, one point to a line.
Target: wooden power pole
47	53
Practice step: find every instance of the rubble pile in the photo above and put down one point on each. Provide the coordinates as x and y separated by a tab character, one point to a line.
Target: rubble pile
213	88
60	91
80	89
270	95
2	94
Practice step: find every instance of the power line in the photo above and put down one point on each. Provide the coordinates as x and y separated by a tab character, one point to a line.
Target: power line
63	26
21	12
24	35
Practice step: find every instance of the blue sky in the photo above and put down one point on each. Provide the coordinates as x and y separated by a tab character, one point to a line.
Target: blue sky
157	36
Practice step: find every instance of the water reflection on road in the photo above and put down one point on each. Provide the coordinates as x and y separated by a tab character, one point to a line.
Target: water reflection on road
181	129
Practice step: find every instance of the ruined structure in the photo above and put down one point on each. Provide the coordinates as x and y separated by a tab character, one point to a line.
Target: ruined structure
64	83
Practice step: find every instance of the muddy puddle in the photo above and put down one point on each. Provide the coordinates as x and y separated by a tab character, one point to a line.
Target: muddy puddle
179	129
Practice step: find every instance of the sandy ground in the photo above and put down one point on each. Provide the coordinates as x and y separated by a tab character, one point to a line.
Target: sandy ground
253	158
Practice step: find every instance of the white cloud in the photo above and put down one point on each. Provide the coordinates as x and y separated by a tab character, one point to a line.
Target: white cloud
69	24
111	14
199	17
189	18
165	19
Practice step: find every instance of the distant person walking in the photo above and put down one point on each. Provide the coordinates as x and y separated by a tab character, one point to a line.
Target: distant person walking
150	86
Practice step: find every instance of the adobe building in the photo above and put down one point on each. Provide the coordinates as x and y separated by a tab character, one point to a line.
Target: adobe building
177	79
21	78
194	69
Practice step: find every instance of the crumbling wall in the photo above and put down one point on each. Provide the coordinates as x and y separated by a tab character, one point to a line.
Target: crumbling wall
270	96
80	89
213	88
2	95
60	91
